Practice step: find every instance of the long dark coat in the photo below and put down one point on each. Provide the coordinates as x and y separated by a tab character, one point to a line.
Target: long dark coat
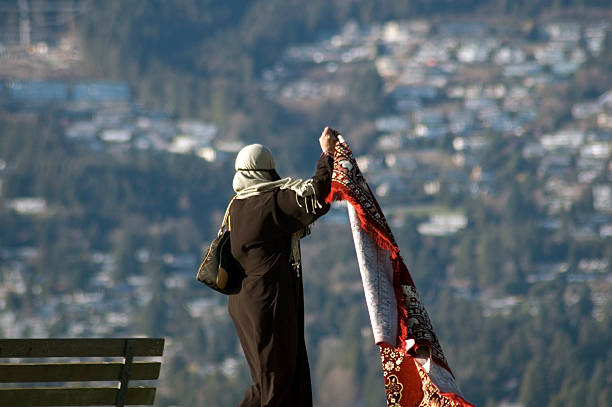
268	313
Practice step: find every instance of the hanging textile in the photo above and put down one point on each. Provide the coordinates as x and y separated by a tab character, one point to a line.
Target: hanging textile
415	370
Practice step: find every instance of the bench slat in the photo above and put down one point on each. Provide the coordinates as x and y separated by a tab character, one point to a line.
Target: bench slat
50	396
81	347
75	372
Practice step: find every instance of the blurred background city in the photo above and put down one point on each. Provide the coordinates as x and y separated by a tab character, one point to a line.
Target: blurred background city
484	127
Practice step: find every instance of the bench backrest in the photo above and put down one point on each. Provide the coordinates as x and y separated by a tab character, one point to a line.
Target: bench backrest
121	371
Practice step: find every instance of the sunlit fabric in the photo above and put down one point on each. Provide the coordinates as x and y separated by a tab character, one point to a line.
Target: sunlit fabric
415	369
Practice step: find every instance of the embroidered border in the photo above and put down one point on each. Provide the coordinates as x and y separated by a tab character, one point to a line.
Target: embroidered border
406	381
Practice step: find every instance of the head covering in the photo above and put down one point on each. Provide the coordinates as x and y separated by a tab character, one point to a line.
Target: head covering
254	165
256	174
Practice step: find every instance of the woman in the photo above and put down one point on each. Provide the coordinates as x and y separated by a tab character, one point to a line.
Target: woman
267	220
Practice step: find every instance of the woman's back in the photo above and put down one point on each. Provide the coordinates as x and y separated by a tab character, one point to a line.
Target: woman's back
268	313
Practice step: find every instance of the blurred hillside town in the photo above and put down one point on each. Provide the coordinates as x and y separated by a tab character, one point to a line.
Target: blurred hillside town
455	87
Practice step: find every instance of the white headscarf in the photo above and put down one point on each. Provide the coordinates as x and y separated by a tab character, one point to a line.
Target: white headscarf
256	174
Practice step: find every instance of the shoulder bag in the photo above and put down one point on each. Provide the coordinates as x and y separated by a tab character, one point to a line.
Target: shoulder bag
220	270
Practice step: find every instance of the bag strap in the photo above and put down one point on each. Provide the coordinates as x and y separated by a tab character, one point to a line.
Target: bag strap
226	216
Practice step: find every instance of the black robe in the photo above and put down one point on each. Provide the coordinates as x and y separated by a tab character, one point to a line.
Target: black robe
268	313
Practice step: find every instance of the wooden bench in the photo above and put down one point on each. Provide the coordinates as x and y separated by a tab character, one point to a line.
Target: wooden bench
21	374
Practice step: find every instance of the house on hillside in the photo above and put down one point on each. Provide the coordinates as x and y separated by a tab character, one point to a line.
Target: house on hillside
100	92
589	168
28	205
84	130
35	93
472	52
563	139
117	135
430	123
594	36
585	110
198	129
391	142
602	197
518	70
392	124
508	54
563	32
604	120
443	224
401	161
229	146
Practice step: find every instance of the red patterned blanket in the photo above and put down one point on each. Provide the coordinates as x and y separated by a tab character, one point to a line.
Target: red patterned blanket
415	370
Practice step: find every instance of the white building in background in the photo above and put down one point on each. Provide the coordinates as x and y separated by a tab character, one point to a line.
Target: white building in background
602	197
605	100
116	135
594	35
28	206
585	110
82	130
185	144
198	129
443	224
596	150
207	153
604	120
563	139
563	32
472	52
605	230
392	124
395	33
229	146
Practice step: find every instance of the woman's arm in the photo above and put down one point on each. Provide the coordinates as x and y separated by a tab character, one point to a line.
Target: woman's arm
295	212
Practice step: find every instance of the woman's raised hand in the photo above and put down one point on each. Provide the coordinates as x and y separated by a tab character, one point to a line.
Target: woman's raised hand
328	140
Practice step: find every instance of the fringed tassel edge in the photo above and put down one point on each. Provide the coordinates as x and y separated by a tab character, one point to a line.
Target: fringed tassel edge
401	275
339	193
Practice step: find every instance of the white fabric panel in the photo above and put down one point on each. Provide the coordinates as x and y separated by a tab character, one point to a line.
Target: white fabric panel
377	277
